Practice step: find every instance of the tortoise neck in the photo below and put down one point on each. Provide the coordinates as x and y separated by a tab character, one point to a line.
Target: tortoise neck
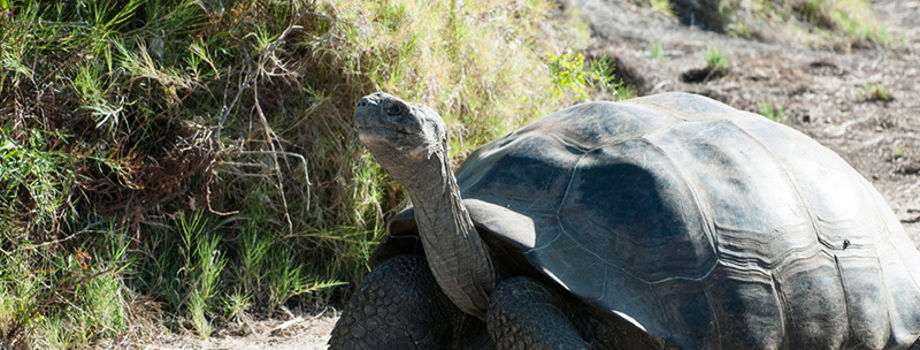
458	258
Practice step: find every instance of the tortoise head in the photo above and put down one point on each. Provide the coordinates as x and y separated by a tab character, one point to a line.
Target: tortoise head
408	139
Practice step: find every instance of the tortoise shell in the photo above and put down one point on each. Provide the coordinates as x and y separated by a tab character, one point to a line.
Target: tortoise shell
706	226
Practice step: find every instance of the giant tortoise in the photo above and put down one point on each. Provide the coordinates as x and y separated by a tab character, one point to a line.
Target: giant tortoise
668	221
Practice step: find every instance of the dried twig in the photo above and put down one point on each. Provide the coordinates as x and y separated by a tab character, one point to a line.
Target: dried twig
287	324
225	111
268	54
270	136
88	228
303	162
276	148
208	200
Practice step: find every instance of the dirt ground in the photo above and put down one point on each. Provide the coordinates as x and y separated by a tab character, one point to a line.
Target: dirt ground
290	330
821	92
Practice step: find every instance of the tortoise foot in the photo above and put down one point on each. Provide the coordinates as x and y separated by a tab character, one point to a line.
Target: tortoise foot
397	306
522	316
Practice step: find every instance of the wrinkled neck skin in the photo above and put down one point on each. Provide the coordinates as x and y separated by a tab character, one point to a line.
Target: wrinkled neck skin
457	256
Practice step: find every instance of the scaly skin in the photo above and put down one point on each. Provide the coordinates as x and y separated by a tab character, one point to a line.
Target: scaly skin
522	315
397	306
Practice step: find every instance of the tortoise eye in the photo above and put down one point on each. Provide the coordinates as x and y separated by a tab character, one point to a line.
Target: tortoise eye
394	109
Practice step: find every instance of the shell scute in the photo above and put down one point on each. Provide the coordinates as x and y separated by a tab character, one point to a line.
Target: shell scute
746	307
566	260
626	205
528	175
689	311
814	302
867	310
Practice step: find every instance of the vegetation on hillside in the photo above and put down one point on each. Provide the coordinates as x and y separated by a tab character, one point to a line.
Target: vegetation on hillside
839	24
832	23
194	162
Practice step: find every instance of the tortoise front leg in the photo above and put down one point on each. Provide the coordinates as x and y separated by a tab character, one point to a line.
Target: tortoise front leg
522	316
397	306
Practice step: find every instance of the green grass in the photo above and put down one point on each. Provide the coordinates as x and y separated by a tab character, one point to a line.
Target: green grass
235	305
876	92
715	58
603	80
897	153
54	298
770	111
656	52
741	30
199	157
661	6
570	73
